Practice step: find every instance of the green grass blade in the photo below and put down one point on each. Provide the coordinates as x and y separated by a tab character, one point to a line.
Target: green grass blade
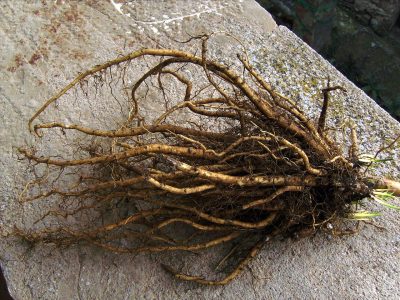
363	215
385	203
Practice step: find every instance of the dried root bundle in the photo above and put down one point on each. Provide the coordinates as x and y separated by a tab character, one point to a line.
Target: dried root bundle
244	162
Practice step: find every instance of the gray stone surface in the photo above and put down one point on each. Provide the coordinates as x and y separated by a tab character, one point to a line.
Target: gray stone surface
44	44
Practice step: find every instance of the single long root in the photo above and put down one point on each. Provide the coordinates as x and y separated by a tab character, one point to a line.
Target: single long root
245	161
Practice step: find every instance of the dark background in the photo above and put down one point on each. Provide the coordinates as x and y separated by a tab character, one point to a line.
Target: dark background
361	38
4	295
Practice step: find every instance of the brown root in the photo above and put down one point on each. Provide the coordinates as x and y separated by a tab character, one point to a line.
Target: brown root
264	170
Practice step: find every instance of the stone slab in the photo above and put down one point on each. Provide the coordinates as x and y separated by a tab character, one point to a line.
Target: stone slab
45	44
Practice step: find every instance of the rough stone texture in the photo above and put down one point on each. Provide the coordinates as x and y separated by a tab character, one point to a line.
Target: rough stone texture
367	58
44	44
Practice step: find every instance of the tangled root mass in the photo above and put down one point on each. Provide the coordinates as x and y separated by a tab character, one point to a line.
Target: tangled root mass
223	157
